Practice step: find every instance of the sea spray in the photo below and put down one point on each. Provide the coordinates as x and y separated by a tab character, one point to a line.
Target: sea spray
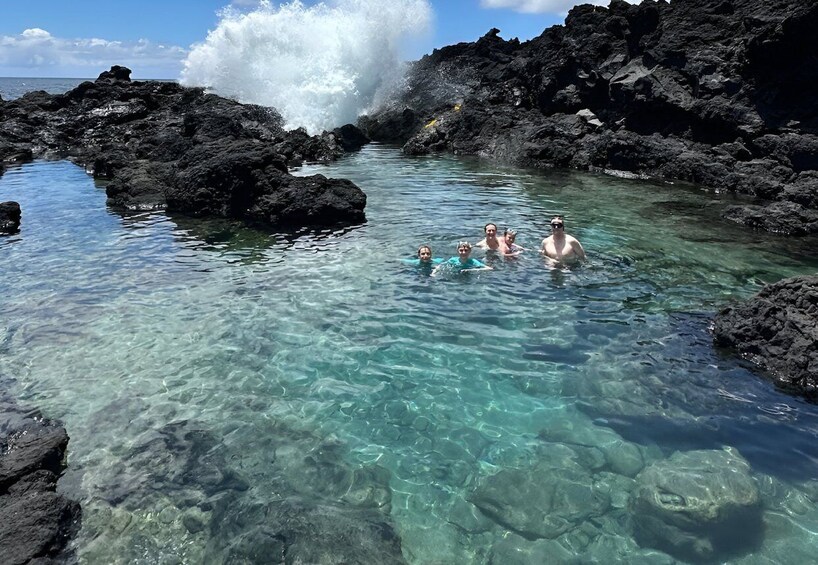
320	66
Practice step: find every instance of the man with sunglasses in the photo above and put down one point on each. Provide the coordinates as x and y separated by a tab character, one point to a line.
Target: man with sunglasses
561	247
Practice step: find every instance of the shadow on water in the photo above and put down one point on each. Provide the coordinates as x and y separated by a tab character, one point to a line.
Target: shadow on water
695	410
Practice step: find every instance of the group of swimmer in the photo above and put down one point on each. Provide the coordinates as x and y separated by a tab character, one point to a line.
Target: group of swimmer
558	248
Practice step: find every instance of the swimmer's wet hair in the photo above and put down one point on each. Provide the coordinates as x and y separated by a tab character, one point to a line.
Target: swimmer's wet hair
429	247
464	244
510	231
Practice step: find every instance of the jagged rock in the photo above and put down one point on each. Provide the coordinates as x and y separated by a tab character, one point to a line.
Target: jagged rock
116	73
784	217
697	506
777	329
36	523
154	140
680	90
10	215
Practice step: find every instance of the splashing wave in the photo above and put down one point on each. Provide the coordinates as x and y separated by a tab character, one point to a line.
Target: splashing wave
319	66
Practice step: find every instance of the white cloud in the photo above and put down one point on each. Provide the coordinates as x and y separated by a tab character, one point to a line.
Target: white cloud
36	33
540	6
35	52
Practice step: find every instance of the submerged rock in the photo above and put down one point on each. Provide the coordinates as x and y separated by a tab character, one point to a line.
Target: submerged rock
164	146
10	215
542	502
777	329
698	506
700	90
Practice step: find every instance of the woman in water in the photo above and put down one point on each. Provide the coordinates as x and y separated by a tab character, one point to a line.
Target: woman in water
424	258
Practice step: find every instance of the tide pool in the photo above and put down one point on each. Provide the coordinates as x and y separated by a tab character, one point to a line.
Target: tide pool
222	385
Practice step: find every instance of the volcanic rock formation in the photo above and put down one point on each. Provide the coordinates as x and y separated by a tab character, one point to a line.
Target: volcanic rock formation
10	215
778	330
164	146
716	92
35	521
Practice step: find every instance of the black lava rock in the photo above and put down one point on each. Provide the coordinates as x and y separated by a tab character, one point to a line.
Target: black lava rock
777	330
36	523
10	215
160	144
716	92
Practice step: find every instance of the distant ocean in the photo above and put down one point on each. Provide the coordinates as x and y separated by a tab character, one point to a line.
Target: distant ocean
14	87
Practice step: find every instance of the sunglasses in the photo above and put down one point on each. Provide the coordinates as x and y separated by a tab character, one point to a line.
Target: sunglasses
557	226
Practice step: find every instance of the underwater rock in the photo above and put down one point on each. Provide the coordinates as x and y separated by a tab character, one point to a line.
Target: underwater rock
150	139
777	329
10	215
180	457
542	502
298	531
697	506
36	523
678	90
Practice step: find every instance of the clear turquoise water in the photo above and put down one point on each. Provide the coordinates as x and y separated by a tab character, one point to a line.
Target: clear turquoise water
305	357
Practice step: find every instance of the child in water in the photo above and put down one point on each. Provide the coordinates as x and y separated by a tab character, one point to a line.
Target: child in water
463	262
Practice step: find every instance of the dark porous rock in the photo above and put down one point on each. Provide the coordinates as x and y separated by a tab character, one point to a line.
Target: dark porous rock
36	523
690	90
541	502
784	217
777	329
698	506
350	137
116	73
248	180
10	215
161	145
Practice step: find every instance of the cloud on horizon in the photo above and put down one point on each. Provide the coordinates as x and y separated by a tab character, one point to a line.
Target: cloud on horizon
35	50
540	6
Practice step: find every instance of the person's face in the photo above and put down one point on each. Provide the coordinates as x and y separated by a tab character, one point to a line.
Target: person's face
510	237
557	226
491	231
425	254
464	251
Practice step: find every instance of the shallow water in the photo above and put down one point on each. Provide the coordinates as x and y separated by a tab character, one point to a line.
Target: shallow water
197	362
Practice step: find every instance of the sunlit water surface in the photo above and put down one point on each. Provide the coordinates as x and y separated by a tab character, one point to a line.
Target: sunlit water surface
291	364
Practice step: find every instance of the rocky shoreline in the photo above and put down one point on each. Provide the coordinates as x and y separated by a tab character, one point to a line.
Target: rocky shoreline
36	523
714	92
164	146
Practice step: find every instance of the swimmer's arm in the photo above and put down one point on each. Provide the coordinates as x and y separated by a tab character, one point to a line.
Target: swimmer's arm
482	267
577	247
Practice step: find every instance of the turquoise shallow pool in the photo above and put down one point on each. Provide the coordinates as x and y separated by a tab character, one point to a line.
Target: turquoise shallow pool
206	371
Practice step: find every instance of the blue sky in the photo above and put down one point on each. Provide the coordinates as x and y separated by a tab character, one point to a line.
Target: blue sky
80	38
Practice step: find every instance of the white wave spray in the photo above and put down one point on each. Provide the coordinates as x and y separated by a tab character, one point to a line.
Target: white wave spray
319	66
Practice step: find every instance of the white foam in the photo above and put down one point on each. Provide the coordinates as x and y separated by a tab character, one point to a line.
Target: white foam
319	66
